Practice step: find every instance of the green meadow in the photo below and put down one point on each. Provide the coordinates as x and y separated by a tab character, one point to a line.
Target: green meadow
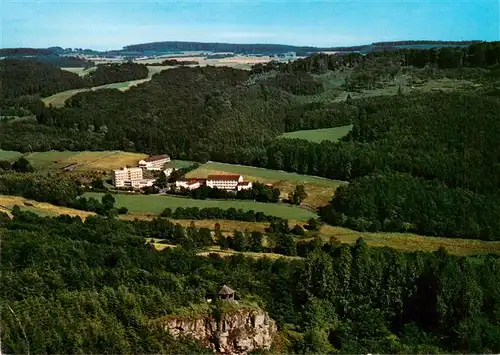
319	135
155	204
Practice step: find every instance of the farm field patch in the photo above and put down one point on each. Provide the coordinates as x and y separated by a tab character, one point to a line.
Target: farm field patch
41	208
101	160
319	135
155	204
412	242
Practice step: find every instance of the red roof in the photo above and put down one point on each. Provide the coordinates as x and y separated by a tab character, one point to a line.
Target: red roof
194	180
224	177
156	157
244	183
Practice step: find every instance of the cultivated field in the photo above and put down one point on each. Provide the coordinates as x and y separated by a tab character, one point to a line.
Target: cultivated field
319	190
155	204
239	62
319	135
103	160
41	208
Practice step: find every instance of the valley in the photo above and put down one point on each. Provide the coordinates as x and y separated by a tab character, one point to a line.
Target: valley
330	200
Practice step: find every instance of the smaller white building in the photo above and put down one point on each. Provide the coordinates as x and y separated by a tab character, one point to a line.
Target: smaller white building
168	171
155	162
189	184
139	184
244	185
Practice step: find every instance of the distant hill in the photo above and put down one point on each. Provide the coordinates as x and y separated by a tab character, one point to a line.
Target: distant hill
13	52
175	46
169	46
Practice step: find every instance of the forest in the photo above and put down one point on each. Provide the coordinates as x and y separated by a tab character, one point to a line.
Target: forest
95	286
444	142
25	81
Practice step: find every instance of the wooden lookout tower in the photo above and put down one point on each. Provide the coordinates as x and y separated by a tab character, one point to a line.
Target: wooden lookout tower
226	293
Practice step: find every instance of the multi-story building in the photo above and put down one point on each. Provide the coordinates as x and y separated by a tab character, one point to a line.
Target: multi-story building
155	162
224	182
124	177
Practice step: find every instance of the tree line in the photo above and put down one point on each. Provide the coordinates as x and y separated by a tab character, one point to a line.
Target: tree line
96	286
258	192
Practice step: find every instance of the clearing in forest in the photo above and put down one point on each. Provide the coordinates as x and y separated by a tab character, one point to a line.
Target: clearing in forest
59	99
155	204
319	190
319	135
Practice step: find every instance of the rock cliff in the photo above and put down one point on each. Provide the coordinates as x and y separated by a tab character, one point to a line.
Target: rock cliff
237	331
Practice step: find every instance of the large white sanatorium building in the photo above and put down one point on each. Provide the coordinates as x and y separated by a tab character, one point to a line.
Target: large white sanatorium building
130	177
155	162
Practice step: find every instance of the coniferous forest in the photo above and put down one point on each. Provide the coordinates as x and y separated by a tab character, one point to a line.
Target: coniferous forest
94	287
426	162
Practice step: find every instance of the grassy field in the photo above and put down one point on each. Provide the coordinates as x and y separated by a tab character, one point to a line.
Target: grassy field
79	70
181	163
400	241
155	204
319	135
261	174
103	160
60	98
41	208
412	242
9	155
319	190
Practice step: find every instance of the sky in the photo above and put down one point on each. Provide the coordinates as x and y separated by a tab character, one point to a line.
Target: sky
112	24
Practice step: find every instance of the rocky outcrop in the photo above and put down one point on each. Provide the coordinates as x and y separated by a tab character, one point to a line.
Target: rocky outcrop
236	332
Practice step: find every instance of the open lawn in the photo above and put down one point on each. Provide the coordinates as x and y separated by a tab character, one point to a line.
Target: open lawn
9	155
319	135
155	204
102	160
319	190
41	208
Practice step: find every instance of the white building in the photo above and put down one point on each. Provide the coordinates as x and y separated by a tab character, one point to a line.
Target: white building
139	184
155	162
224	182
124	177
189	184
244	185
168	171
